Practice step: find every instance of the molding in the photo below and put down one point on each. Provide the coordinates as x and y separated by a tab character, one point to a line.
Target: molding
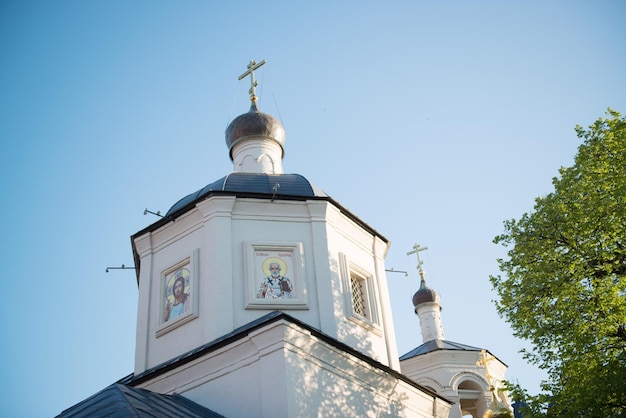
467	375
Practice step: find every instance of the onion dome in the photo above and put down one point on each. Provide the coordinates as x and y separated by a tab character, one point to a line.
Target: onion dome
254	124
425	294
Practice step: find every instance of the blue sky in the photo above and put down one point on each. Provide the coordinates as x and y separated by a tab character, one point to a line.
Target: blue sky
432	121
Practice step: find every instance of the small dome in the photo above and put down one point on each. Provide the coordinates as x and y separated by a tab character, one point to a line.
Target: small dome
425	295
254	123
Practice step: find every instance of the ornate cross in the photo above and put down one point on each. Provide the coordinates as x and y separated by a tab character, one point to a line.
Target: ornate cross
484	361
416	251
253	83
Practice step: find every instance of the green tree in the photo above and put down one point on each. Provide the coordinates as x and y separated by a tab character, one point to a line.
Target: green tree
563	282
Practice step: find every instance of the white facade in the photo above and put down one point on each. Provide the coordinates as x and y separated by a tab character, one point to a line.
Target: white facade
283	369
455	375
218	236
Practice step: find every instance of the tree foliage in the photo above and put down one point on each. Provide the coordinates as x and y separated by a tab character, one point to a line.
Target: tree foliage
563	286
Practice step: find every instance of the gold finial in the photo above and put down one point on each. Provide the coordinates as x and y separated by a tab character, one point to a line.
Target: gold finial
253	83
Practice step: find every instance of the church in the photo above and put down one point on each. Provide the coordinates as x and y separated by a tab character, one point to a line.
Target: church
262	296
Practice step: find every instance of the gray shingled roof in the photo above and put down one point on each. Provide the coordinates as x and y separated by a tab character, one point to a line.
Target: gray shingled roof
434	345
120	401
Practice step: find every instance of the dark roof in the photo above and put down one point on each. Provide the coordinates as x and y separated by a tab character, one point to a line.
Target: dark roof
257	183
244	331
120	401
425	295
434	345
292	187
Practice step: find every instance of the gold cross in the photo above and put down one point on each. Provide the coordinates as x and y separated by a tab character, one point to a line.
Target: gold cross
253	83
416	251
484	361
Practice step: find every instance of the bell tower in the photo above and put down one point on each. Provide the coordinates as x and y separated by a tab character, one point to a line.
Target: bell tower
426	303
456	371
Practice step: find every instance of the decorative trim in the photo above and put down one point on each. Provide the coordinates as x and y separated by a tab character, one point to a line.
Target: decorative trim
432	383
274	276
171	313
467	375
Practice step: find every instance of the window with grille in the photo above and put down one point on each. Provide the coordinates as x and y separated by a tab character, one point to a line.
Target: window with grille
359	296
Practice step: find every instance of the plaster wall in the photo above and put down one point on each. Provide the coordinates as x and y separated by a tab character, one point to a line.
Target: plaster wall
217	235
430	321
282	370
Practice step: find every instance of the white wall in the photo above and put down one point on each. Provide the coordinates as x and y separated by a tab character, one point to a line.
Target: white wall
281	370
217	233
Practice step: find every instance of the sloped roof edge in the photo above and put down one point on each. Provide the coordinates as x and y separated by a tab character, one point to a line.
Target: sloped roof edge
120	401
243	331
440	345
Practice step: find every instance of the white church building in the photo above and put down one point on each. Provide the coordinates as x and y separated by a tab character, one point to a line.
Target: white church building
262	296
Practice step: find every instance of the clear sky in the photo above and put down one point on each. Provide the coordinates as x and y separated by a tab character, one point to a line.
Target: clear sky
432	121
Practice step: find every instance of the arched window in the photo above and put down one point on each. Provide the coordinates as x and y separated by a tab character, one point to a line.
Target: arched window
469	394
